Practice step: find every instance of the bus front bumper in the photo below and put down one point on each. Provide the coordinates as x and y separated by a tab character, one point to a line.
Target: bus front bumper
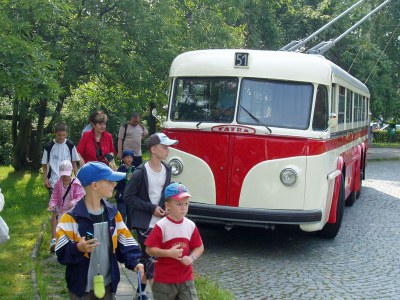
253	217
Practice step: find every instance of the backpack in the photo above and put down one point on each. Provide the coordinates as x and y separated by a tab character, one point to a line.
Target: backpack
125	125
48	146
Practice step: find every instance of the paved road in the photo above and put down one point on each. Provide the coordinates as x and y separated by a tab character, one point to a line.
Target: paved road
362	262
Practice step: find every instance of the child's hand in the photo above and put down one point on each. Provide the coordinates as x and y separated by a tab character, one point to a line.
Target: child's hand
176	252
51	208
139	268
159	212
87	246
70	205
187	260
46	183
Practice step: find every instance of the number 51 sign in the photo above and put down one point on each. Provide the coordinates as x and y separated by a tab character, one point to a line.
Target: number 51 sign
241	60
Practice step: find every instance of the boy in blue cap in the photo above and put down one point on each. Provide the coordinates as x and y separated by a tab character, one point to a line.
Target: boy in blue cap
127	168
176	242
92	237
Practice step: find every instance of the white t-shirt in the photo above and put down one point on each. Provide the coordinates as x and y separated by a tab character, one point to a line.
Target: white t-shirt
58	153
1	201
156	185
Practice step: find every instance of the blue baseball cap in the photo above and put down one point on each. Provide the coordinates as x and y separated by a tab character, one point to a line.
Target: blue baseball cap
127	153
96	171
176	191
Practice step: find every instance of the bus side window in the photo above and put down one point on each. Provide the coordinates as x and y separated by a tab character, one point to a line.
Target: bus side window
320	118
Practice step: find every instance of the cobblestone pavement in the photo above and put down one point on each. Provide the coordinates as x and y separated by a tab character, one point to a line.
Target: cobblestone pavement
362	262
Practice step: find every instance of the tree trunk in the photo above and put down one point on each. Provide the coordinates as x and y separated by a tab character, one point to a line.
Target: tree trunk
50	126
36	149
21	133
152	120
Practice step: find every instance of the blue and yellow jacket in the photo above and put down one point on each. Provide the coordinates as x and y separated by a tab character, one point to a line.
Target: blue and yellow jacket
73	226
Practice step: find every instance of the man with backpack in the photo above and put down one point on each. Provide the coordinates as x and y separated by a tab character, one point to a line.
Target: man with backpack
130	138
54	152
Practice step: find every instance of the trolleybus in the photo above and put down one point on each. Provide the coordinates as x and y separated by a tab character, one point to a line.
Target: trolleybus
267	137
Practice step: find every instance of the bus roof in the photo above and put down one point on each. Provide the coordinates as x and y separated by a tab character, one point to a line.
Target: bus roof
280	65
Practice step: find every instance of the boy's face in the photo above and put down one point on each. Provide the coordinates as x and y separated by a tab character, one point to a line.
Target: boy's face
127	160
160	151
105	188
177	209
61	136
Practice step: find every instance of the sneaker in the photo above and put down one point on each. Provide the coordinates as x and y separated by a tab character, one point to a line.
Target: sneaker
52	245
144	296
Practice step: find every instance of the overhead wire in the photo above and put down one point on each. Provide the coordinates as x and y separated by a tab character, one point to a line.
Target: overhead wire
361	46
383	52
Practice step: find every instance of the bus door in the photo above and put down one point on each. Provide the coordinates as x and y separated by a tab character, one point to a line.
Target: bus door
213	149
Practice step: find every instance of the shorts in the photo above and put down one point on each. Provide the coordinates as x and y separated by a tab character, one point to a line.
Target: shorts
171	291
147	260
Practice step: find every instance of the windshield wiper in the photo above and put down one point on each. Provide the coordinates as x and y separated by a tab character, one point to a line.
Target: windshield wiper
255	118
216	117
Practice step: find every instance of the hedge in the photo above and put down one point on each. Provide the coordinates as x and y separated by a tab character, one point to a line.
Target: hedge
381	136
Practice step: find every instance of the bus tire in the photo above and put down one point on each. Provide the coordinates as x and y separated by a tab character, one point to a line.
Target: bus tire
330	230
358	194
352	198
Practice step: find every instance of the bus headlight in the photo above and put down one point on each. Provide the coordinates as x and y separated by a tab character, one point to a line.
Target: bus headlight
288	177
176	166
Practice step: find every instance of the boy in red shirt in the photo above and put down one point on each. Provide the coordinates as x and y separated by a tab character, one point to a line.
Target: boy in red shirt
176	242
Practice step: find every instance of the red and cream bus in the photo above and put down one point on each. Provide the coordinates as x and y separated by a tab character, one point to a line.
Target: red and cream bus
267	137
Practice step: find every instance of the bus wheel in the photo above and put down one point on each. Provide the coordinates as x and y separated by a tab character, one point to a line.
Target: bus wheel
361	180
330	230
352	198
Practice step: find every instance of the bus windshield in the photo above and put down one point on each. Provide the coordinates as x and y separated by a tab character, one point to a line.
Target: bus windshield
275	103
271	103
204	99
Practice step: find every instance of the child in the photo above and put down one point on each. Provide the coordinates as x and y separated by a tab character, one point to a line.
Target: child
176	242
126	167
144	196
92	267
4	230
67	191
54	153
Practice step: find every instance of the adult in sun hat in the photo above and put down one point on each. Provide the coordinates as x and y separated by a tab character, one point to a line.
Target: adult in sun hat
144	196
66	193
92	238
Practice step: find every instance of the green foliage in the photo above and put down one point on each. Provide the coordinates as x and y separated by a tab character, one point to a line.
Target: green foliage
382	136
5	143
208	289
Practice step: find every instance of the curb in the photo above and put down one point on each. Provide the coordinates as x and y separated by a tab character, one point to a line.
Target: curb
34	255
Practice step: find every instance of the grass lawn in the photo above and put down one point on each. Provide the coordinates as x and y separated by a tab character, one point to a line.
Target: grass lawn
386	145
25	212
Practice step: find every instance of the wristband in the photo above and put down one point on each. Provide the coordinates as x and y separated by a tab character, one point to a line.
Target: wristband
193	256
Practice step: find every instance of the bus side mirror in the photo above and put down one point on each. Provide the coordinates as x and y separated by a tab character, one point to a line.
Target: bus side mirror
154	114
332	120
